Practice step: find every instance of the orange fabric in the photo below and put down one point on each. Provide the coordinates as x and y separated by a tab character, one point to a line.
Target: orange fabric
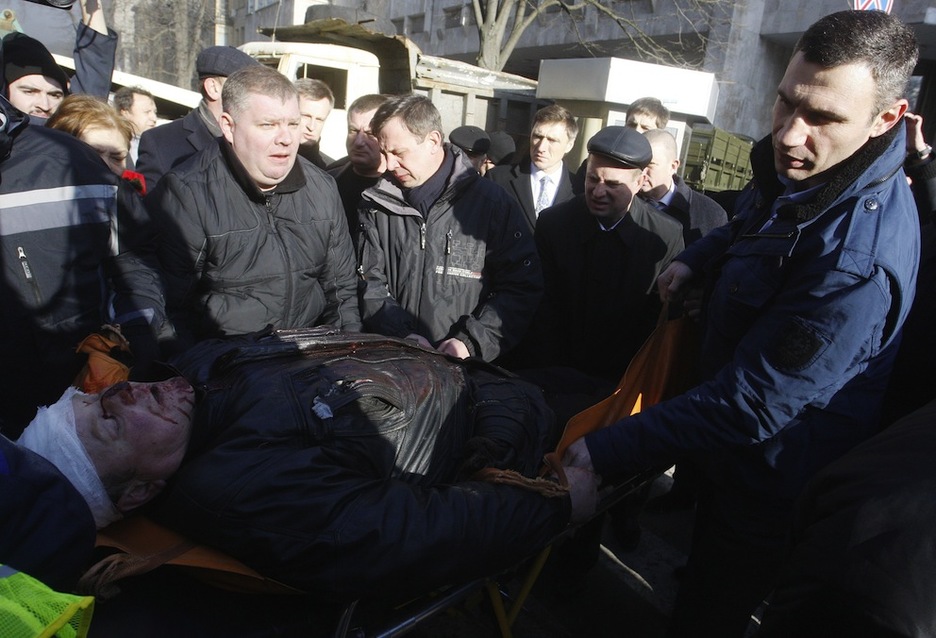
664	367
103	369
145	545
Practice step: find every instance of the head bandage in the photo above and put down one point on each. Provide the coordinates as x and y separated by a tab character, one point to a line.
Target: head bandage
52	435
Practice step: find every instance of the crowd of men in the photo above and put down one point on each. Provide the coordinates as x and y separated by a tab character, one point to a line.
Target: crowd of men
557	275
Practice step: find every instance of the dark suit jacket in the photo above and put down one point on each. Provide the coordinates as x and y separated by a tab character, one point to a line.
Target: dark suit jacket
165	147
516	180
696	212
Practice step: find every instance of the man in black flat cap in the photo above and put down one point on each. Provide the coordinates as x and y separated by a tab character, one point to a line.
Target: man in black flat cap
167	146
602	252
474	141
501	151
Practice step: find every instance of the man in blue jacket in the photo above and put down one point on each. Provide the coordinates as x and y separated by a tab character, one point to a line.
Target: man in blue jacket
806	292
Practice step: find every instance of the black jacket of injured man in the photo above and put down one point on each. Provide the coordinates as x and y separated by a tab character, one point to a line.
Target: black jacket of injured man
340	464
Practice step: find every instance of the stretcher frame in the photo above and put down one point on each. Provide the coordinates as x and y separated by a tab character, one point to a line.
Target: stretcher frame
505	608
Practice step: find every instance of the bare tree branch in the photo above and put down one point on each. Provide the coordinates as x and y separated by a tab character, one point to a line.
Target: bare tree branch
501	25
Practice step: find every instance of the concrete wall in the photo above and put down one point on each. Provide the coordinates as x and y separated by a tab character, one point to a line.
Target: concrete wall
749	42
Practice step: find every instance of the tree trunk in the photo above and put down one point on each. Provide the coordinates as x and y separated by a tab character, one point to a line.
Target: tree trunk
489	56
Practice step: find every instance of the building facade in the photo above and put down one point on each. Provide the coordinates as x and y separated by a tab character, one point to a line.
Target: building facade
745	43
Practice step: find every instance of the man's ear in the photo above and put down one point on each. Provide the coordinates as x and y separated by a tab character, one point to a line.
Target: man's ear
227	126
886	119
569	146
212	88
437	140
138	493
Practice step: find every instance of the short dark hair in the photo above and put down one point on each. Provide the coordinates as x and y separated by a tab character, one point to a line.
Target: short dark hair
649	106
123	97
419	114
881	41
314	90
254	80
369	102
555	114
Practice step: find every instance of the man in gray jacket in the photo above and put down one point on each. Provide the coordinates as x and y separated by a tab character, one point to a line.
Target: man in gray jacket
251	237
447	258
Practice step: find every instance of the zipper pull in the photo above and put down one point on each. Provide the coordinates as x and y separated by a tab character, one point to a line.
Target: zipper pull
24	263
422	236
448	243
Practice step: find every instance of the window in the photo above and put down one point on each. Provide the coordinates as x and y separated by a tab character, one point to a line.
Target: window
454	17
256	5
336	79
417	23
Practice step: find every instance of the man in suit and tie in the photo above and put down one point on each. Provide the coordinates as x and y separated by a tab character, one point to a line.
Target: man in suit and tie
167	146
541	179
668	192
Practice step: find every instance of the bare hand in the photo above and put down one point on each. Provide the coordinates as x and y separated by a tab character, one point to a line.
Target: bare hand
455	348
915	140
583	492
577	455
672	281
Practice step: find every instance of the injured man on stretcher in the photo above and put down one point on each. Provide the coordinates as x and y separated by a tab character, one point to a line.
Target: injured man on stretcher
344	465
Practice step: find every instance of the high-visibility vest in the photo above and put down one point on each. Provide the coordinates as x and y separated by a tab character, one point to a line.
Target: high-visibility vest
29	609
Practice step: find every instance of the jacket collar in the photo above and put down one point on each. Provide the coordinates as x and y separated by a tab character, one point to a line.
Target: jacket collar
875	162
12	123
293	181
389	195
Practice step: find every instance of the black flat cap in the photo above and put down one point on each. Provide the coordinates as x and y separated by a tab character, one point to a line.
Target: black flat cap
502	145
23	55
622	144
221	61
470	139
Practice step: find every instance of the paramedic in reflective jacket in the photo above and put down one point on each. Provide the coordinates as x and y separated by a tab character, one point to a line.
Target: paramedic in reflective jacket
77	251
807	289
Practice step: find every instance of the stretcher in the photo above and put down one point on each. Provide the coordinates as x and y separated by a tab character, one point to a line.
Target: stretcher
178	588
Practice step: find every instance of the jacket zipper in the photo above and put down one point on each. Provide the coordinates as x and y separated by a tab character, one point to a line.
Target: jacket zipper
422	236
288	301
27	272
448	251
